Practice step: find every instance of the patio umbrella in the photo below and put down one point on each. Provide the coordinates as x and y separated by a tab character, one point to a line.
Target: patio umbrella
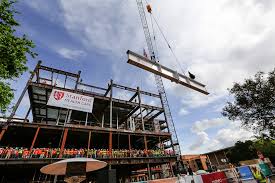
74	168
199	172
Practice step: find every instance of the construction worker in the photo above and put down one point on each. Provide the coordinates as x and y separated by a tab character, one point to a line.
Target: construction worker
258	175
26	153
54	153
8	153
57	152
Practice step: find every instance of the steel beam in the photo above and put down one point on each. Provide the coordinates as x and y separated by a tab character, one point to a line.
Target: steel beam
90	128
130	114
148	113
97	96
140	113
155	115
92	86
158	69
113	161
135	90
58	71
134	96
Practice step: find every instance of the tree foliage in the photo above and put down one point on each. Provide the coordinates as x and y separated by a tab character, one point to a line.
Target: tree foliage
247	150
266	146
254	103
242	151
13	52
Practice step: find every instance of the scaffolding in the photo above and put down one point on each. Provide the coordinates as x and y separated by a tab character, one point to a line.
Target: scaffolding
115	122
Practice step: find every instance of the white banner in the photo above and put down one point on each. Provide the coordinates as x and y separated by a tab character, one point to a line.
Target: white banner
69	100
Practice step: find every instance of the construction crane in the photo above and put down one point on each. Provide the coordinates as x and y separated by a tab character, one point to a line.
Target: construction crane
168	117
152	65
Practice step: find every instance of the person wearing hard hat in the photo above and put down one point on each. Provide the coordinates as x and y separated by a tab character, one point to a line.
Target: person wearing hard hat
258	175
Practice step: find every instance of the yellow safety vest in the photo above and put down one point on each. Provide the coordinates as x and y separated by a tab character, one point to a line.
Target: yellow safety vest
259	176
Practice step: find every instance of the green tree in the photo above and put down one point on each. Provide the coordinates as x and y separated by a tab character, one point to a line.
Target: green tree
13	52
254	103
242	151
266	146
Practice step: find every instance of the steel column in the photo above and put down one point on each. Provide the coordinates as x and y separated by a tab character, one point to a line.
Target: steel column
116	120
35	137
25	119
68	117
145	145
171	169
139	102
102	121
149	171
111	103
24	91
3	132
63	142
129	141
89	140
86	121
110	143
77	79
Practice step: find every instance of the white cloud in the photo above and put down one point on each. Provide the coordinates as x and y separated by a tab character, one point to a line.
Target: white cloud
218	108
49	9
183	112
228	136
224	137
220	42
202	139
71	54
109	26
205	124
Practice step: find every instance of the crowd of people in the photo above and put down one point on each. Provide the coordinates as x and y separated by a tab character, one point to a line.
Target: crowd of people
20	152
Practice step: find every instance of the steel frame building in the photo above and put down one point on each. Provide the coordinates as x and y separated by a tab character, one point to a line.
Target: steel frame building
113	124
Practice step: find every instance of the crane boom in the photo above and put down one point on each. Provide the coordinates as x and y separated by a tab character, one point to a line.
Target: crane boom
167	113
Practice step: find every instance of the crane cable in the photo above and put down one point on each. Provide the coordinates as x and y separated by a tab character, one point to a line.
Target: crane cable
172	51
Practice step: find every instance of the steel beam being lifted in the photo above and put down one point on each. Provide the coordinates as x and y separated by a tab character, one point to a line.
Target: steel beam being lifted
146	64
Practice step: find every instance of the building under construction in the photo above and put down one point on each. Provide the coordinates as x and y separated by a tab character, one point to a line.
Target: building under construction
132	135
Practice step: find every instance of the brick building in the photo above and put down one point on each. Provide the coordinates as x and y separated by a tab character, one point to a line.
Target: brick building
218	158
195	162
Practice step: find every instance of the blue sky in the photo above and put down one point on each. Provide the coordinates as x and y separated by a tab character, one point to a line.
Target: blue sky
220	42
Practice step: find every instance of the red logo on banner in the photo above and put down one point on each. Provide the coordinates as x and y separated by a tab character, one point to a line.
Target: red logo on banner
58	95
217	177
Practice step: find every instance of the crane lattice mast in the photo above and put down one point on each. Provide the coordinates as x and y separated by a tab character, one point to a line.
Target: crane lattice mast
167	113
